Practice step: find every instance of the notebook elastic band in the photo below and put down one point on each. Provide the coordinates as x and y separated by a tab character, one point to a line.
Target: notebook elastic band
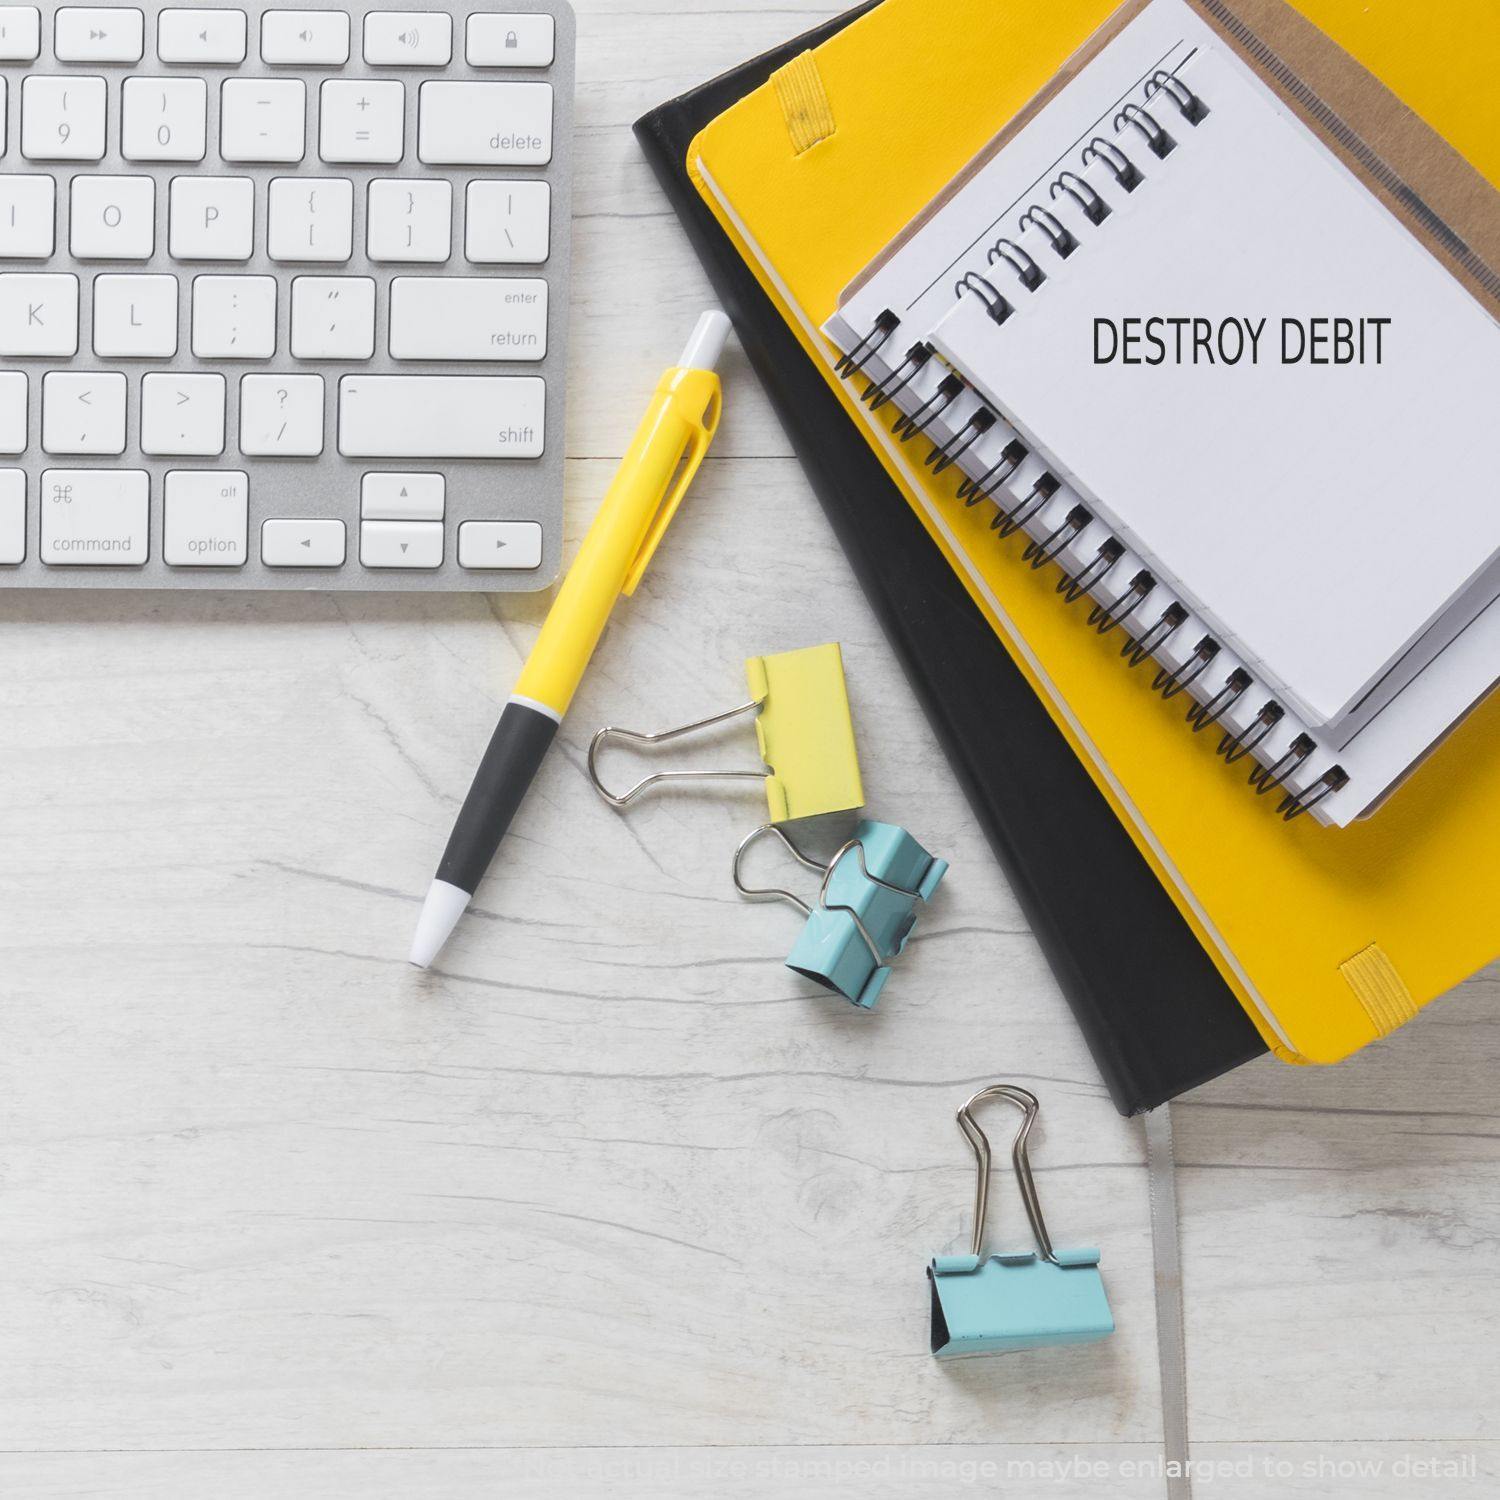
804	102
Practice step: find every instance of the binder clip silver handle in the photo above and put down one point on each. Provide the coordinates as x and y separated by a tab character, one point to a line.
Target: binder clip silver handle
771	893
1020	1160
635	737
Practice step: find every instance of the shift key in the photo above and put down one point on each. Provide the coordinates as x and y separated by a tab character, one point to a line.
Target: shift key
441	416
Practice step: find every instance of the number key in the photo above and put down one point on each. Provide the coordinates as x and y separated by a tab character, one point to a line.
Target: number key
62	119
165	119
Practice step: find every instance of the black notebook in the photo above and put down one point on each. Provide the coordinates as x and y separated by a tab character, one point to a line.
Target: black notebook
1156	1014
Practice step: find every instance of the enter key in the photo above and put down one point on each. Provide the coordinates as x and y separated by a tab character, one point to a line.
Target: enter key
467	317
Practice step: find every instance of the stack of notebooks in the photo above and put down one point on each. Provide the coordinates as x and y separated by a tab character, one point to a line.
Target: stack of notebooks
1174	313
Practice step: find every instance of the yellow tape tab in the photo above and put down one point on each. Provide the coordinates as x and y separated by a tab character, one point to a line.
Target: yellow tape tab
805	732
1379	989
804	102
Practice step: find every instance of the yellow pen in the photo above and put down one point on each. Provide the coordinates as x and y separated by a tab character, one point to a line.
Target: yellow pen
641	500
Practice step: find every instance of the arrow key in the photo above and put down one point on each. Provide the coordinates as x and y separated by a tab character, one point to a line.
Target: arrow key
512	545
401	544
317	543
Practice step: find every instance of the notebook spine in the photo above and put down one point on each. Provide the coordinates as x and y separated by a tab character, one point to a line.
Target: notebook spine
1010	273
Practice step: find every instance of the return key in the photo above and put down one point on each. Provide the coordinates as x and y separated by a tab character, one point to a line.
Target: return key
458	317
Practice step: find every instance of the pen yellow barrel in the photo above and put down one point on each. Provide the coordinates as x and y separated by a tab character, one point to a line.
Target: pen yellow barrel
672	437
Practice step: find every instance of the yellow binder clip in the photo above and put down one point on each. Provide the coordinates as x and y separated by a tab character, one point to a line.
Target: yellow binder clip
802	726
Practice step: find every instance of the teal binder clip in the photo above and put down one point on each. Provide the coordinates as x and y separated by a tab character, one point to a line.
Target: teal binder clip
872	891
994	1304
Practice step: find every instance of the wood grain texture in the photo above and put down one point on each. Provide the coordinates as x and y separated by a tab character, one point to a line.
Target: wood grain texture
611	1186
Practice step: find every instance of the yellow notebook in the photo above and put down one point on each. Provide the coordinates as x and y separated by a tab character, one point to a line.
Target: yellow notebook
1330	937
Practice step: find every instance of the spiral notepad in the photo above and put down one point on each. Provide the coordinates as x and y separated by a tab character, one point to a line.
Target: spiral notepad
1182	351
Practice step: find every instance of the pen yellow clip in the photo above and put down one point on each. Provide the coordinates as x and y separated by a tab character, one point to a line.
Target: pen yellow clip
803	728
695	397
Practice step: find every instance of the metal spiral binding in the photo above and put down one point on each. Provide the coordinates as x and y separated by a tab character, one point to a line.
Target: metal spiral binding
1191	107
878	392
1104	617
949	453
1162	145
886	323
1236	746
1063	241
1294	804
1012	456
1267	778
1121	168
1201	715
909	424
1046	486
1137	649
1109	553
1094	208
1170	681
1067	531
1031	274
983	288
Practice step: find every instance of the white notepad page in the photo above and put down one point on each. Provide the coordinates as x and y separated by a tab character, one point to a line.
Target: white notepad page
1328	520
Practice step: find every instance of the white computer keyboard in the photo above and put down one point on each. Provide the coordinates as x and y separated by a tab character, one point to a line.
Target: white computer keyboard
283	295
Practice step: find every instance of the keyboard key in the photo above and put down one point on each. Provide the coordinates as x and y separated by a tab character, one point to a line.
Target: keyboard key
458	317
20	33
500	544
263	119
12	515
205	518
281	415
333	317
201	36
27	216
304	36
12	411
135	317
441	416
302	544
508	223
182	414
407	219
83	412
312	218
112	218
38	314
362	122
401	497
90	34
234	317
510	41
401	544
94	517
485	124
165	119
62	119
4	95
412	39
212	218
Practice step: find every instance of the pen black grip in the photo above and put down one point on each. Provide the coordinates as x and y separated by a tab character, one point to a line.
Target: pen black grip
515	751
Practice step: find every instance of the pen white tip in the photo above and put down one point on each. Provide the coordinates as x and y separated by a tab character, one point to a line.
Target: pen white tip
707	342
440	913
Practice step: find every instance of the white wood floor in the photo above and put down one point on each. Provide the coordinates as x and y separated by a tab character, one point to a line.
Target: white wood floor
612	1204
